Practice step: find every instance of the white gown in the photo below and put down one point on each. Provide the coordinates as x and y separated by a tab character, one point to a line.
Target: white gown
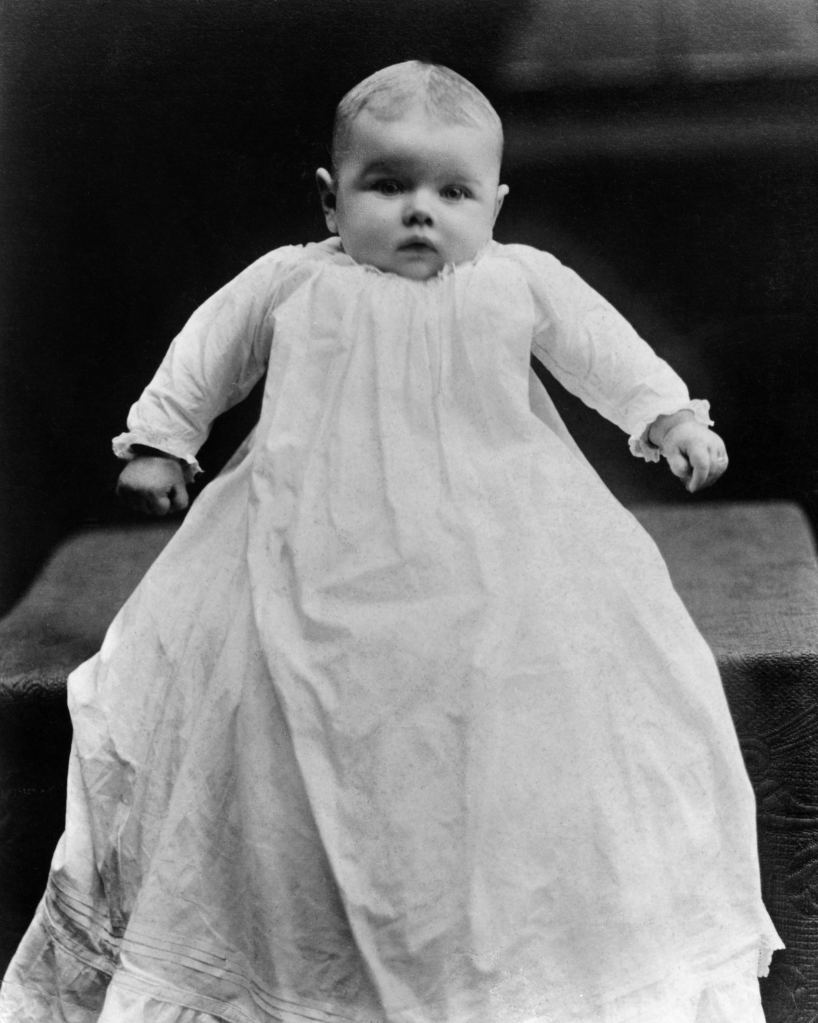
407	723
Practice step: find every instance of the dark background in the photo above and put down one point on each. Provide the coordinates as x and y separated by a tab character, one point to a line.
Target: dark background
150	149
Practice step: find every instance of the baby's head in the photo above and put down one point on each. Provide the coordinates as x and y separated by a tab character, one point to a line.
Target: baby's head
415	181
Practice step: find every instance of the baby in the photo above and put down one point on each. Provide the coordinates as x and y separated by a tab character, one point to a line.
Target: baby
415	187
407	723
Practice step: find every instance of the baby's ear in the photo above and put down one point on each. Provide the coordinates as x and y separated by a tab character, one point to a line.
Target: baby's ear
502	192
326	190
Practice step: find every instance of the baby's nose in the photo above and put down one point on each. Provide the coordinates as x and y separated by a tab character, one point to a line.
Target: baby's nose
418	210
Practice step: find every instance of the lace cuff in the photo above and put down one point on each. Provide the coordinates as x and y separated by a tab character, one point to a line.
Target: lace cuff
638	442
123	448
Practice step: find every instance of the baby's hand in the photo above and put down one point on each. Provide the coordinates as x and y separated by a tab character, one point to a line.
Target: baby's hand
694	453
153	484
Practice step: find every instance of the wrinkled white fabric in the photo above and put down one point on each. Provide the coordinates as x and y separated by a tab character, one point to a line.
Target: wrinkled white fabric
407	724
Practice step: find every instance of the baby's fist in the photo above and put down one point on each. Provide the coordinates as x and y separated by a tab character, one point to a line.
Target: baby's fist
154	485
694	453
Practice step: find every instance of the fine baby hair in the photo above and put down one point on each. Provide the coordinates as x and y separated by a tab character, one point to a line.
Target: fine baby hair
407	723
390	91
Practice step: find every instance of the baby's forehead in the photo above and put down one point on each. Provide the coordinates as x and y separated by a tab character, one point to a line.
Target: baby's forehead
419	135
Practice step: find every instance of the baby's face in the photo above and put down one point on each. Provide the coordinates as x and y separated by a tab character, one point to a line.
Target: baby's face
414	194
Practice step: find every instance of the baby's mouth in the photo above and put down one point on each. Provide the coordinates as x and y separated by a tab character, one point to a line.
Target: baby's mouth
417	245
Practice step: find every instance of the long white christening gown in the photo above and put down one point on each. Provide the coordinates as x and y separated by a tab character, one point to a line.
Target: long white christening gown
407	723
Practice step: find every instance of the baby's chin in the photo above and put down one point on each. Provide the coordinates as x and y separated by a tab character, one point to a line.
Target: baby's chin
420	265
418	271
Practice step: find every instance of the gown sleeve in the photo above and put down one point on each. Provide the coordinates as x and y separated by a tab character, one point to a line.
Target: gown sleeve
595	353
220	353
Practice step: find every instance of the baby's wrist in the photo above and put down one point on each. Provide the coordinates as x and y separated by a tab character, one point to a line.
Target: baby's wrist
661	428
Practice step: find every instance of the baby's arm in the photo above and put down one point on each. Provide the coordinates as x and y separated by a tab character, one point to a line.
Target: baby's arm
596	354
213	363
694	453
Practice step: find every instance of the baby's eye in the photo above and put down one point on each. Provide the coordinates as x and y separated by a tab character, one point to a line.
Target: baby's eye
455	193
388	186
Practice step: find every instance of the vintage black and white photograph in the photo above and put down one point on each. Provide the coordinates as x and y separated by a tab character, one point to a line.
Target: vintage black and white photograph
408	500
